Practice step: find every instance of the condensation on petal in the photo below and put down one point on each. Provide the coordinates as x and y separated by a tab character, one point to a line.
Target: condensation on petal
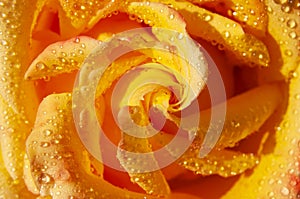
224	163
246	113
170	28
84	14
118	68
252	15
10	188
157	15
283	42
61	57
18	98
224	31
278	172
61	167
153	182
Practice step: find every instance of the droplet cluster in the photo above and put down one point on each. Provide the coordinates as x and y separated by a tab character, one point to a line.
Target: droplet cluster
61	58
81	12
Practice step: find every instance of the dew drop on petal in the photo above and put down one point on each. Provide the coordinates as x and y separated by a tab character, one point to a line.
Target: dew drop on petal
45	144
285	191
286	8
291	23
293	35
47	132
207	17
40	66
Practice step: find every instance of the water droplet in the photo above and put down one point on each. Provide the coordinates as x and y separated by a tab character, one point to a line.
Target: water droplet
40	66
285	191
207	17
45	144
180	36
269	9
77	40
44	178
47	132
227	34
293	35
291	23
4	42
132	17
286	8
171	16
288	53
292	74
46	78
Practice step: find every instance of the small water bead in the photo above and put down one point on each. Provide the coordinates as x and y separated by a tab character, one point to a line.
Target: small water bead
293	35
226	34
44	178
171	16
40	66
292	75
47	132
77	40
207	17
286	8
288	53
4	42
285	191
291	23
45	144
132	17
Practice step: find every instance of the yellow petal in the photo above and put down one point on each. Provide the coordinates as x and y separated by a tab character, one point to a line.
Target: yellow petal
17	97
61	57
85	14
223	31
245	114
283	42
224	163
252	15
152	182
277	175
10	188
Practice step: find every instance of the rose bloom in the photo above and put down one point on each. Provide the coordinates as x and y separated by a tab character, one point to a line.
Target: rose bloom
47	153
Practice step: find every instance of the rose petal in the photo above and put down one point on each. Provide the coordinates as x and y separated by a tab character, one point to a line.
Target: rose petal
61	57
278	172
59	169
224	163
17	97
252	15
10	188
223	31
85	14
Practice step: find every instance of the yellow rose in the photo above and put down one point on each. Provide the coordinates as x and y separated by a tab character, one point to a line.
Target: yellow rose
255	46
